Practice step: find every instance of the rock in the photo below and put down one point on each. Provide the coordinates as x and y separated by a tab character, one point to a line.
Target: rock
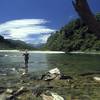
2	89
64	77
53	96
45	97
10	94
96	78
55	70
9	91
19	91
3	97
38	90
13	69
9	97
52	74
22	71
56	96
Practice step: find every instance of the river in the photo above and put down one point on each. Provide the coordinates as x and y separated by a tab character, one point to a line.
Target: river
41	62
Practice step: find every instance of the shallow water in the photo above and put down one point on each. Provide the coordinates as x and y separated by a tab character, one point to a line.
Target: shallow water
40	62
69	64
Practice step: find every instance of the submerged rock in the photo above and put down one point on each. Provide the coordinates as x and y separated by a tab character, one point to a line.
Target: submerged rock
9	91
2	89
21	71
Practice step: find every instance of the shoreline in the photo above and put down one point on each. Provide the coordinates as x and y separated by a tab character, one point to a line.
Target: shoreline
80	52
49	52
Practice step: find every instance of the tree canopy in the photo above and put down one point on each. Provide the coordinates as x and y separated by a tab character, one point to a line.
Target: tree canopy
74	36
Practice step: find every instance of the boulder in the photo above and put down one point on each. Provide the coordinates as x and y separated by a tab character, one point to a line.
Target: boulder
56	96
9	91
52	96
45	97
96	79
54	71
52	74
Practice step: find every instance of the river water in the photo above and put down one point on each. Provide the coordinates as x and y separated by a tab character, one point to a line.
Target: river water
41	62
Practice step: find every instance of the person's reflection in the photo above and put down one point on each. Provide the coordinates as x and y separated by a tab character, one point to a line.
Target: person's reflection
26	59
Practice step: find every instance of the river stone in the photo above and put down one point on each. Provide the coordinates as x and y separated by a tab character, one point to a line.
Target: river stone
5	96
53	96
45	97
56	96
96	79
53	74
9	91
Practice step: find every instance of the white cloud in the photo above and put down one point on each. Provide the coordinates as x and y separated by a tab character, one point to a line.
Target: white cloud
44	38
21	29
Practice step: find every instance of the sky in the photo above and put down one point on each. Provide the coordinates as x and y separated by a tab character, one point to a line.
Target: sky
33	21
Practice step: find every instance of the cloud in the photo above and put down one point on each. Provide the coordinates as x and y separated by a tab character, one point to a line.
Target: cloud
24	28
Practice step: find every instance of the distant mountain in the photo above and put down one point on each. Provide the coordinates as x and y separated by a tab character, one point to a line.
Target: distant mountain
73	37
39	46
14	44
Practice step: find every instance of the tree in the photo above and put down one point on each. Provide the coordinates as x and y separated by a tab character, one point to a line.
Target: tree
1	38
84	11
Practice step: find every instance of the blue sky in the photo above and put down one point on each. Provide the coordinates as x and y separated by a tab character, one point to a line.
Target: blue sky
32	21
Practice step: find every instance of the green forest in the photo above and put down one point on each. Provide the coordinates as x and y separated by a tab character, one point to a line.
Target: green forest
75	36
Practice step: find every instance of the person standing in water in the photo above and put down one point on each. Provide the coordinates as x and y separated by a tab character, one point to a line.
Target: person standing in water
26	59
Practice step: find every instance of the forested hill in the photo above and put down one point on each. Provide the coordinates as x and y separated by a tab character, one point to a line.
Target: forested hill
73	37
13	44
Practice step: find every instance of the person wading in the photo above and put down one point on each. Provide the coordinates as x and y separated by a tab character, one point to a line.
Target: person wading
26	59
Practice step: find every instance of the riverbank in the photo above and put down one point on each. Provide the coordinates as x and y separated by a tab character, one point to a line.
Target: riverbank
82	87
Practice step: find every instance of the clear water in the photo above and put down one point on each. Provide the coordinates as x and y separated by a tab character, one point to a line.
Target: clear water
38	62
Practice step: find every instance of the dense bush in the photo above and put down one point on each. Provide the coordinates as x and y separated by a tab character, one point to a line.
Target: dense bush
73	37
